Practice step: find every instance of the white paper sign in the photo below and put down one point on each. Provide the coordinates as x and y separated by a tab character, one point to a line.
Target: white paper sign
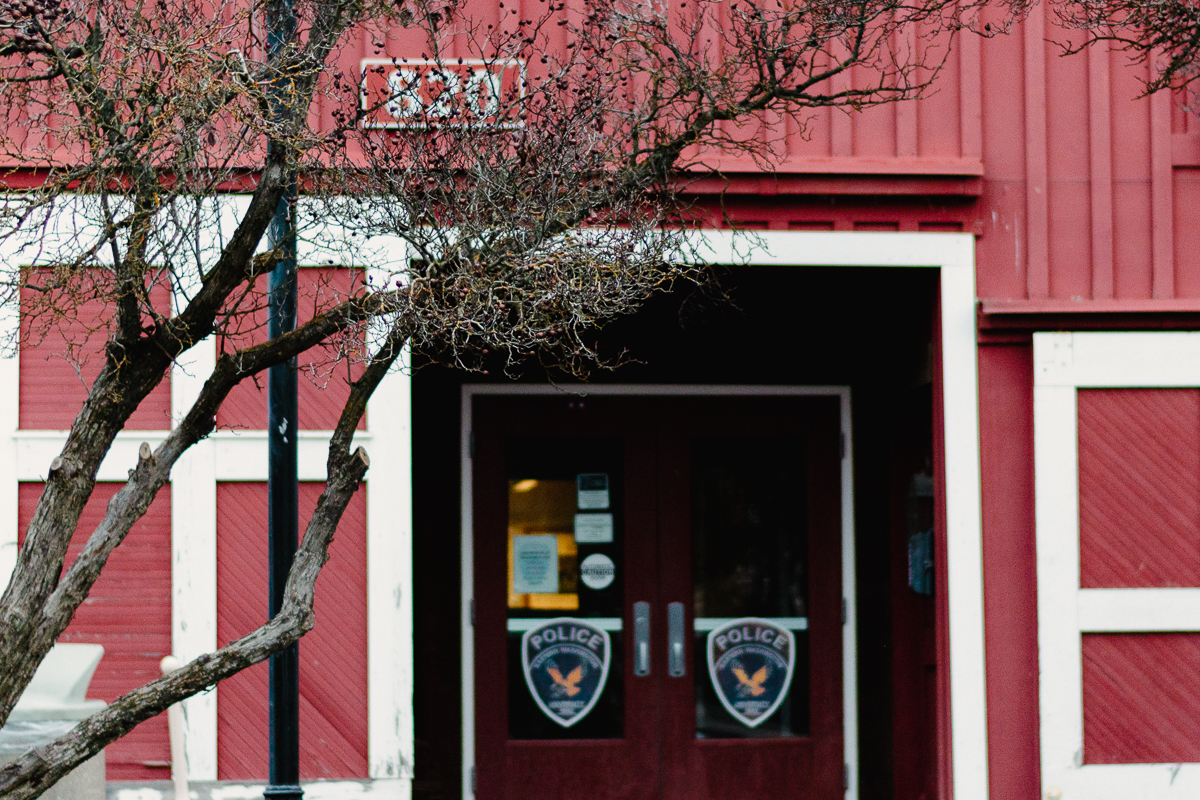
593	528
535	564
592	491
597	571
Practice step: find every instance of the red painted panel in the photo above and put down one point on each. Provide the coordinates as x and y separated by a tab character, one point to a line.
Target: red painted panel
1187	231
1132	225
874	129
939	126
1139	487
1132	220
1141	698
1003	109
1010	577
1070	245
323	386
1068	165
129	612
57	371
333	656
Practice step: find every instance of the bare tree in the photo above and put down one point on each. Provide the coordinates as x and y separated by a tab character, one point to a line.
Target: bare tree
1162	34
538	190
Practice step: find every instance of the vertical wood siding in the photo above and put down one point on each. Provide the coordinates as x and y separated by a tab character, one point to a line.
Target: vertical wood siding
1141	698
322	387
1139	487
129	612
333	656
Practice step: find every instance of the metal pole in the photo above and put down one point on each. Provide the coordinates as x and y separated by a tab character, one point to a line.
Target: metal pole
282	480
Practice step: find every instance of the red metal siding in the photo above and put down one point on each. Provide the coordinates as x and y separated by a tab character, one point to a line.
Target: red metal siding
322	388
1139	487
333	656
55	379
129	612
1087	186
1141	698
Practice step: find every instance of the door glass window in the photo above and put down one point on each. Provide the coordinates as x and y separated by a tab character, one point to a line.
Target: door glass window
749	562
564	550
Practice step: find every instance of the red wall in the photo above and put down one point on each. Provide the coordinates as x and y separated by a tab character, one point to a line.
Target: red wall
1076	189
322	387
1010	577
333	656
129	612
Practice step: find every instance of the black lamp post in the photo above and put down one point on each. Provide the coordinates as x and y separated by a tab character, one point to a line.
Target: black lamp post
282	476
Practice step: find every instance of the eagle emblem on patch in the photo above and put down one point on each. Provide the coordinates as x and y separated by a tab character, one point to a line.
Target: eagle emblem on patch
565	661
750	661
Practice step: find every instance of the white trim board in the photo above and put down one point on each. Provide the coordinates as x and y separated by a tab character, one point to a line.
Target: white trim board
1063	363
953	255
849	589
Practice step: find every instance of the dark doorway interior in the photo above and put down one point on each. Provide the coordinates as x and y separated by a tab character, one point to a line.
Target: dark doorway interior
867	328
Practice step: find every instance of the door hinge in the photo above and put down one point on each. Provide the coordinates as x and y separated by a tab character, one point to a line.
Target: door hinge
843	611
845	778
472	780
472	602
471	444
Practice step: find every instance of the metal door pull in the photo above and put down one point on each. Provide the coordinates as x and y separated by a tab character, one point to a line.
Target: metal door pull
676	666
641	638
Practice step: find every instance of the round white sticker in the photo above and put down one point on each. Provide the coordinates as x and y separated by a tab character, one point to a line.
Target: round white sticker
597	571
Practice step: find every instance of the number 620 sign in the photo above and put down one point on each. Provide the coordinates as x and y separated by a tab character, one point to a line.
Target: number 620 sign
421	94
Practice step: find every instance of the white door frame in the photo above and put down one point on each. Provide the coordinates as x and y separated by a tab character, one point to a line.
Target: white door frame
954	257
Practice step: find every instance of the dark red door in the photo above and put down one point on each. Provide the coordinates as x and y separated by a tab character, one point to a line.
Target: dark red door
718	519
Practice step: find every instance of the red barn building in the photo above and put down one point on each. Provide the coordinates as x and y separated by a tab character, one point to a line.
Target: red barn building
942	455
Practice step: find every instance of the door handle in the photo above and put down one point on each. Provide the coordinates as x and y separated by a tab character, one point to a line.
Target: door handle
676	667
641	639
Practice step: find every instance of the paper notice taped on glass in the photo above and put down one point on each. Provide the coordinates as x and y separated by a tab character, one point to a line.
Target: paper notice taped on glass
592	491
593	528
535	564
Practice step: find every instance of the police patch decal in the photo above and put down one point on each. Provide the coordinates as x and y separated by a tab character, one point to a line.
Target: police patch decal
565	661
750	661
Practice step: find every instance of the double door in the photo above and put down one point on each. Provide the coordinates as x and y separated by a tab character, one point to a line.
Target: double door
658	601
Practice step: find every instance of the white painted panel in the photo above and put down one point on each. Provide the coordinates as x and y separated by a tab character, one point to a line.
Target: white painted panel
964	531
390	734
837	249
194	561
1127	610
36	449
1057	520
1128	782
242	455
10	407
1144	359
